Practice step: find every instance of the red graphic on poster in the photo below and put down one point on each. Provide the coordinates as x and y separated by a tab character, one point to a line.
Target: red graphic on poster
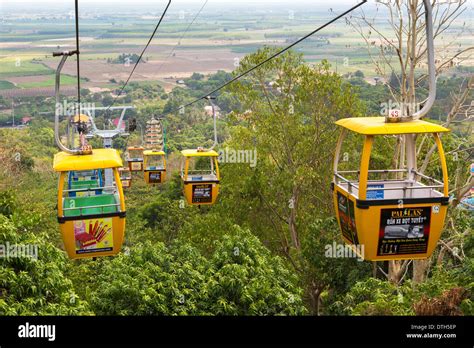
93	235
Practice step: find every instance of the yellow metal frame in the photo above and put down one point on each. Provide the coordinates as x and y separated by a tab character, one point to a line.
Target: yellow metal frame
67	232
364	166
369	220
198	153
99	159
81	118
378	126
366	223
153	153
190	187
444	166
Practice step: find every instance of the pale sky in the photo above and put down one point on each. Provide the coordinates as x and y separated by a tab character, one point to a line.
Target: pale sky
150	2
149	5
108	6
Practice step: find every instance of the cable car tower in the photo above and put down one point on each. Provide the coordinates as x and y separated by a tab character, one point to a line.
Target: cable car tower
107	135
154	160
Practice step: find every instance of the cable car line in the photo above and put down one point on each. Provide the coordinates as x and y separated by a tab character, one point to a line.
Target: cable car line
214	116
268	59
182	36
76	9
80	127
141	55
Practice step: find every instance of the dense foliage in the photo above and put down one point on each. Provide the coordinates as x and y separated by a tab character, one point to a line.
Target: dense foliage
261	249
241	277
36	284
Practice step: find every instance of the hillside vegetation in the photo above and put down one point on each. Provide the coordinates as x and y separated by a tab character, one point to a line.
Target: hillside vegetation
261	249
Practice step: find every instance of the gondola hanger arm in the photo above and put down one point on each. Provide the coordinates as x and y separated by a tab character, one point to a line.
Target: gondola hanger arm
431	62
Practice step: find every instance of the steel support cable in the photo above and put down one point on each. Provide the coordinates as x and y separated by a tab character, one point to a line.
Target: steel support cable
76	9
431	62
182	36
141	55
80	127
267	60
84	147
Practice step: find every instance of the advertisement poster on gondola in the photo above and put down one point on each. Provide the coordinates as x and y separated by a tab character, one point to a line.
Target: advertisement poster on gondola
155	177
346	215
93	235
136	166
202	193
404	231
125	183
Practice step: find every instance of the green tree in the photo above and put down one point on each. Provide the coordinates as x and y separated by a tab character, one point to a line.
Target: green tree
248	280
241	277
359	74
328	277
107	100
287	116
30	285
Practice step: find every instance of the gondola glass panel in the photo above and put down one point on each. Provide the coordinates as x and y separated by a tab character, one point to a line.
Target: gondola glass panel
135	158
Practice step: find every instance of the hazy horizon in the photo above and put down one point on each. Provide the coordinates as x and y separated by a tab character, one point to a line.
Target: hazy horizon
54	7
154	5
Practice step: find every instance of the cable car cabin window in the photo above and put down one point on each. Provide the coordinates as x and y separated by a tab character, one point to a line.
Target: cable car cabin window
84	183
202	169
90	197
434	168
155	162
350	155
125	176
383	183
135	154
83	175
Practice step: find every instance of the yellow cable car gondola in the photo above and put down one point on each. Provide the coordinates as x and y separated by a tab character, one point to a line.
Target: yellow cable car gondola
92	225
201	186
397	218
135	158
125	177
154	166
200	170
400	214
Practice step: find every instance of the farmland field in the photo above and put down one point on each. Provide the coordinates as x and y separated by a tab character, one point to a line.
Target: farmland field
6	85
12	66
216	40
